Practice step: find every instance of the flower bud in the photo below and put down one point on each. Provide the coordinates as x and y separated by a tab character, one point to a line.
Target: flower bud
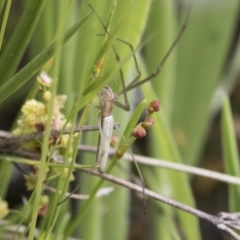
42	210
139	131
114	141
154	106
31	181
44	79
119	153
64	140
47	96
148	123
39	126
44	200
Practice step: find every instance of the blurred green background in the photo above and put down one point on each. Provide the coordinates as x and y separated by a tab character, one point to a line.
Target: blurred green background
201	72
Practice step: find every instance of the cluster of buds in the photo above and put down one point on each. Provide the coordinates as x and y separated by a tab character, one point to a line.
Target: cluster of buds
34	117
140	130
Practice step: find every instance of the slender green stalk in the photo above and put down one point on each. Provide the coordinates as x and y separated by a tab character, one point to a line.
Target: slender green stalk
35	65
84	209
45	146
4	22
230	150
19	40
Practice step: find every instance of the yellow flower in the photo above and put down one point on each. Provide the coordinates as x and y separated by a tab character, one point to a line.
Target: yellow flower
17	131
31	181
64	141
3	209
60	101
32	110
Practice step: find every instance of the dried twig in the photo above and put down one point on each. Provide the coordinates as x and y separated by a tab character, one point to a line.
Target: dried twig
170	165
102	192
140	159
7	140
224	222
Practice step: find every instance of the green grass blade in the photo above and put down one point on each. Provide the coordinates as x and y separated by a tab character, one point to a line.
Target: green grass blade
78	220
1	4
16	46
202	55
5	176
163	146
129	28
160	34
4	22
230	152
34	66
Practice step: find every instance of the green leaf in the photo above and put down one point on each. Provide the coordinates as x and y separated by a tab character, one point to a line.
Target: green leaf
5	177
1	4
160	33
169	183
34	66
19	40
128	23
230	151
202	54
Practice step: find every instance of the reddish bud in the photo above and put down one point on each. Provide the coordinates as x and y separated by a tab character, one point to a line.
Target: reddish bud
148	123
36	169
42	211
114	141
139	131
154	106
43	208
39	126
53	139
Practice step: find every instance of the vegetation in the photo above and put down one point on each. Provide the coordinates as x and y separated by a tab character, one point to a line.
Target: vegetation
66	41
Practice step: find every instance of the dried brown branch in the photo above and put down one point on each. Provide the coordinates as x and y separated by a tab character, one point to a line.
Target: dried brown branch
170	165
224	222
7	140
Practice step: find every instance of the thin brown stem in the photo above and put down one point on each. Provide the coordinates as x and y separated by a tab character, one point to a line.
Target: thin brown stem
218	220
8	140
